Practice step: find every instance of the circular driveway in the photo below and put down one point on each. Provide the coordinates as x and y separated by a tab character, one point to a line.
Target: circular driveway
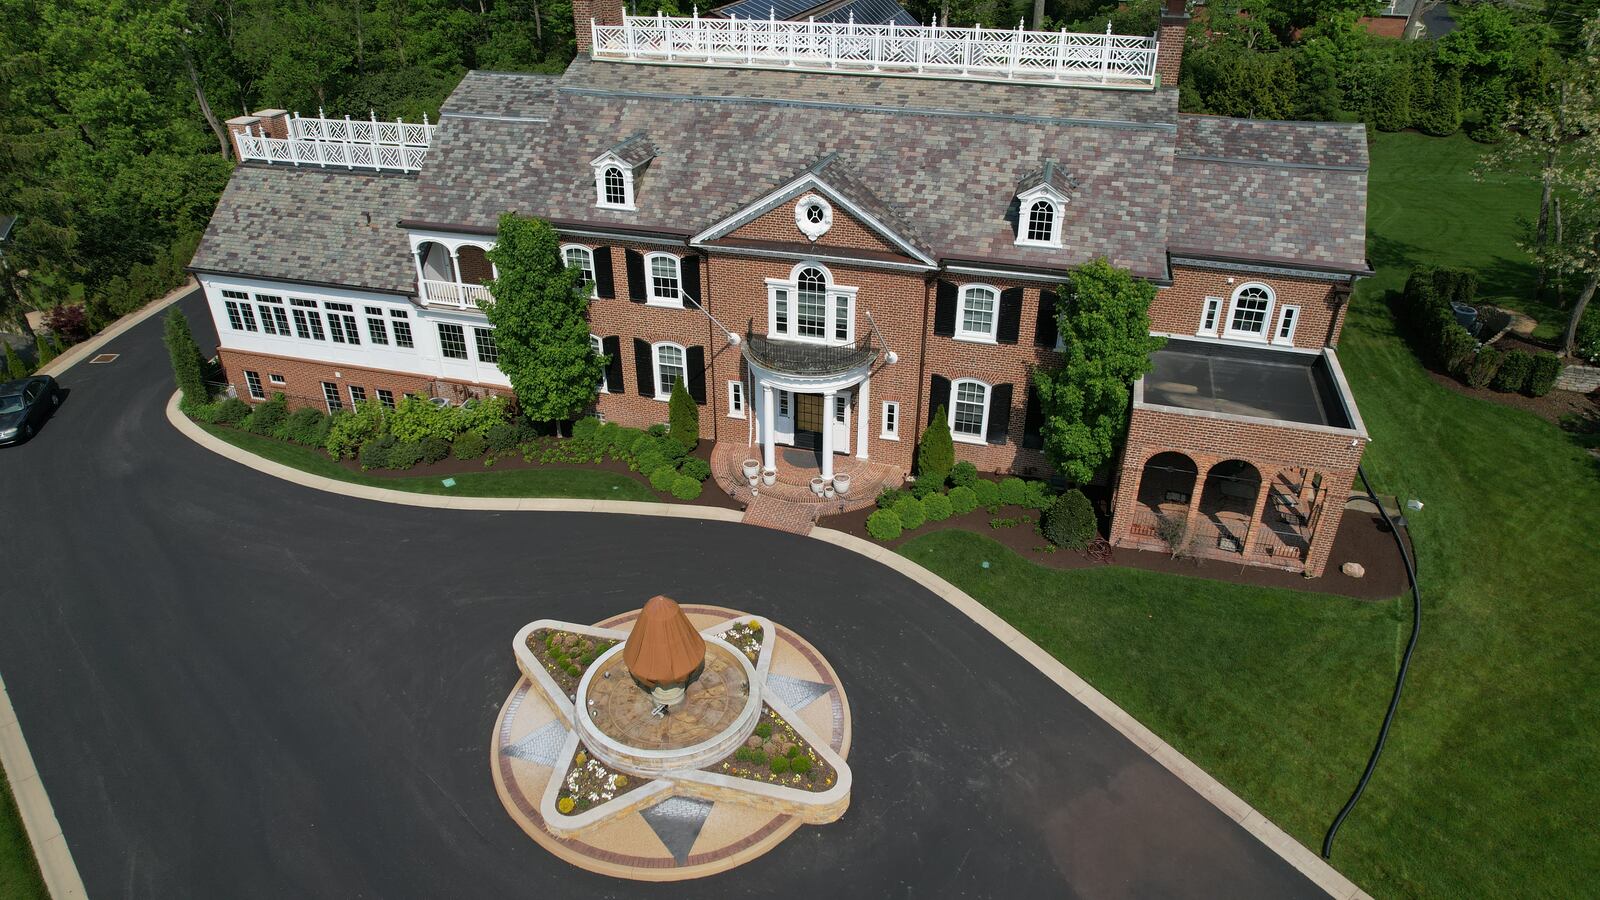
236	687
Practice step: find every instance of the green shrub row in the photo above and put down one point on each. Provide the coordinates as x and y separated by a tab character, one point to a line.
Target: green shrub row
906	509
1429	323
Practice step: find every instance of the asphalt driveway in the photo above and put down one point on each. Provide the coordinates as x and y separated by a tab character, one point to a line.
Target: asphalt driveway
236	687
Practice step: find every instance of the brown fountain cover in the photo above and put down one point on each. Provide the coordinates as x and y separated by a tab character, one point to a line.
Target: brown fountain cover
663	648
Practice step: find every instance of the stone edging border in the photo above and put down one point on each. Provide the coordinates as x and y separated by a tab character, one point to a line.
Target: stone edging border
56	866
1276	839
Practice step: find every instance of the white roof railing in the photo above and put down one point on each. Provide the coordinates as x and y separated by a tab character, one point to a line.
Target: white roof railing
985	53
351	143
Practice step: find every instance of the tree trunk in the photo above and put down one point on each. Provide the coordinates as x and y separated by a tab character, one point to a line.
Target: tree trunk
1038	15
1571	344
1542	232
205	106
1561	283
538	27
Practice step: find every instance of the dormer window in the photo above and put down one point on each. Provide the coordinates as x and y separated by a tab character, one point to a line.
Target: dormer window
1041	206
616	172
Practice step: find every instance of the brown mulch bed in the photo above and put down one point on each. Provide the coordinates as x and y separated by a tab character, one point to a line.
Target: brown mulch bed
579	651
710	495
1551	407
1362	538
780	739
594	777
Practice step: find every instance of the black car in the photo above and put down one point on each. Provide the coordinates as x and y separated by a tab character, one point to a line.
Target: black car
24	405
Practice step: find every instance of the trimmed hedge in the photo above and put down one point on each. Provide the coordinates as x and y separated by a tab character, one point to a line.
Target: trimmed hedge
909	509
963	500
964	474
1013	491
1514	371
662	478
988	493
695	468
1480	370
1542	376
884	525
685	487
936	507
1430	324
1070	521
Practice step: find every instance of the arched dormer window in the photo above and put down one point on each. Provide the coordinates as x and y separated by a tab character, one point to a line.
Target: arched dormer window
616	188
1041	205
1042	222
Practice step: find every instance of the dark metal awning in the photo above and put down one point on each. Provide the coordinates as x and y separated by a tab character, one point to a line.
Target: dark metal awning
807	359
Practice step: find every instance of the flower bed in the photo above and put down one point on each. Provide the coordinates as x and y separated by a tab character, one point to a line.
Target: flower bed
746	636
777	754
589	783
565	655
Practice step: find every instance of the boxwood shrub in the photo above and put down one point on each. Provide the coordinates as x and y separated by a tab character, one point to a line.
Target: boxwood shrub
888	497
307	426
685	487
376	453
936	507
695	468
267	417
469	445
1542	377
662	477
502	437
434	449
1514	371
963	500
1069	522
1013	491
964	474
988	493
884	525
909	509
231	411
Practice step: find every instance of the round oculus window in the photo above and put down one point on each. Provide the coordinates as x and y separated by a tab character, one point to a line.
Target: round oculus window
814	216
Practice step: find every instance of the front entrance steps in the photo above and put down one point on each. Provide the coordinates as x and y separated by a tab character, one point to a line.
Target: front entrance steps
772	505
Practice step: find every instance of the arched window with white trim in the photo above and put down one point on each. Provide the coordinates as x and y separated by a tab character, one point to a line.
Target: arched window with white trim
1042	222
670	367
1039	220
808	306
615	187
1250	312
811	303
978	312
579	257
969	410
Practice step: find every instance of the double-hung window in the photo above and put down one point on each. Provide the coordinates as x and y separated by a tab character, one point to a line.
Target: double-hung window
969	413
385	398
402	328
488	350
978	313
598	346
307	321
665	282
357	395
1252	310
452	341
376	330
669	369
581	258
342	323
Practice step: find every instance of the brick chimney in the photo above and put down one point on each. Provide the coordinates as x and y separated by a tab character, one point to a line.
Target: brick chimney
1169	38
603	12
265	123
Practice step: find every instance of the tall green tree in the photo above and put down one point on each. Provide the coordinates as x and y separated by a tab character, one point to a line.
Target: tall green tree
1103	318
188	366
541	318
936	454
15	368
683	417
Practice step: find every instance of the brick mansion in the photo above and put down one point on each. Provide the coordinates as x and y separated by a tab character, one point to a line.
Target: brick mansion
827	231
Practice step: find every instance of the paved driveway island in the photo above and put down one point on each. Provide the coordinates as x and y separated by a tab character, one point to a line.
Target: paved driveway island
237	687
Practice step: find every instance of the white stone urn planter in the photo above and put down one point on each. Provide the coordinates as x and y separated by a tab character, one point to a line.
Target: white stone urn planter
769	477
817	485
841	483
751	467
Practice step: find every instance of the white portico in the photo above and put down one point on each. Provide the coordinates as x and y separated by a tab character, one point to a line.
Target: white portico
804	395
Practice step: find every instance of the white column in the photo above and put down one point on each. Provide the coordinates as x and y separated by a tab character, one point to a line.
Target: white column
416	259
863	414
768	410
455	264
827	435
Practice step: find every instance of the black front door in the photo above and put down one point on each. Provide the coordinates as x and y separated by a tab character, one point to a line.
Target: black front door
808	421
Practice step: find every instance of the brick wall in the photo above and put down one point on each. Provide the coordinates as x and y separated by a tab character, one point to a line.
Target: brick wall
1169	36
303	379
1270	448
846	230
1178	309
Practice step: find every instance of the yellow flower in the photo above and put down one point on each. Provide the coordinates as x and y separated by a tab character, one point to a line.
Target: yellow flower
565	805
622	781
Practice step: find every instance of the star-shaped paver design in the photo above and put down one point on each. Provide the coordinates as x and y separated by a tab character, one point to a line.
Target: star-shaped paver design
677	822
542	745
796	692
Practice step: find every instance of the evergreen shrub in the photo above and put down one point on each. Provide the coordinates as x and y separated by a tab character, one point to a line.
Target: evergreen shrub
1013	491
909	509
1514	371
963	500
884	525
936	507
1542	377
685	487
469	445
1070	521
964	474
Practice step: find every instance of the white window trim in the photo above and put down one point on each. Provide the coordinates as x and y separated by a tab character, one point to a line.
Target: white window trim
351	389
1025	202
1213	309
1292	314
598	345
950	414
1265	334
611	162
977	337
651	297
736	391
276	379
887	433
655	366
835	294
588	252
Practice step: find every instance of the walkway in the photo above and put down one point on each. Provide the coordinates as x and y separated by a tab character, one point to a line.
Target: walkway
252	689
796	469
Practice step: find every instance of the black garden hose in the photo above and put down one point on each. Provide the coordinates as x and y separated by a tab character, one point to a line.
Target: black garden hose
1400	680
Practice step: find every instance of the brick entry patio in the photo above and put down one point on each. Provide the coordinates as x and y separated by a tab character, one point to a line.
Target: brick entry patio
788	504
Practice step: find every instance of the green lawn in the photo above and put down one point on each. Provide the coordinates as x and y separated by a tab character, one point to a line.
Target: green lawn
19	874
1488	786
551	481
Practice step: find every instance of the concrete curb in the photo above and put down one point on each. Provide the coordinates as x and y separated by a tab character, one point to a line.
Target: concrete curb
79	352
1275	838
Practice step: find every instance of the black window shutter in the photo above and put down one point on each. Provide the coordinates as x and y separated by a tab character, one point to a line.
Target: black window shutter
612	348
697	374
1010	315
1044	327
1033	421
689	270
944	310
604	284
999	428
636	285
644	367
938	395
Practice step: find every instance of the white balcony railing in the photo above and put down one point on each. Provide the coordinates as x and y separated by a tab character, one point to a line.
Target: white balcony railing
347	142
450	293
1104	59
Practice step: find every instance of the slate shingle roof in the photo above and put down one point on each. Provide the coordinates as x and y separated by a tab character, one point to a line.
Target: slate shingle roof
945	155
506	94
1286	191
329	226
